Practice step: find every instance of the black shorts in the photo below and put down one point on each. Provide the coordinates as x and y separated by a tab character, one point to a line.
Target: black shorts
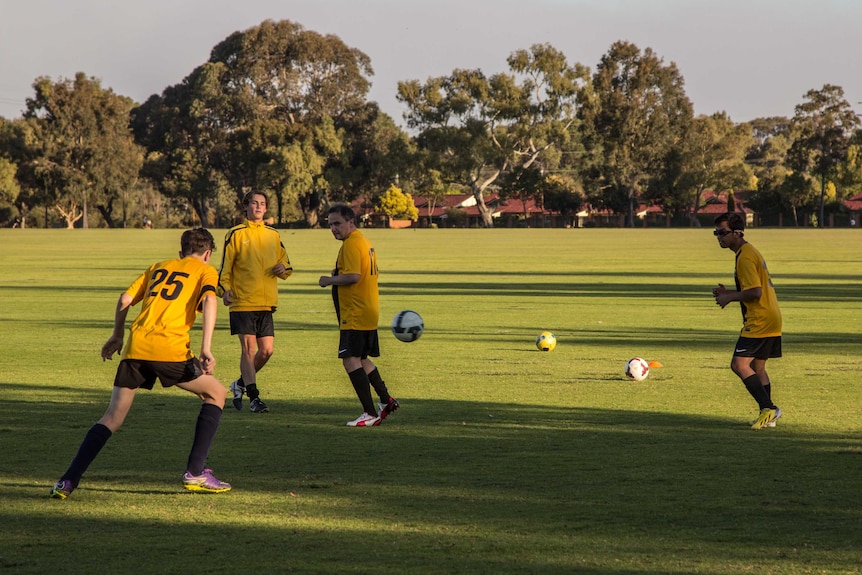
142	373
358	343
758	347
256	323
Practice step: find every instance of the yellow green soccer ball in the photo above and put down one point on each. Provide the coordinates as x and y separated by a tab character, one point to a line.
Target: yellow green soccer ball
546	341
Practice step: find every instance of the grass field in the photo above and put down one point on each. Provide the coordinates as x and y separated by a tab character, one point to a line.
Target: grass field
502	459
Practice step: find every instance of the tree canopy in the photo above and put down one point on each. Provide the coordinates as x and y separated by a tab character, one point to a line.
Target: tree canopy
476	129
285	110
269	110
637	114
80	147
822	126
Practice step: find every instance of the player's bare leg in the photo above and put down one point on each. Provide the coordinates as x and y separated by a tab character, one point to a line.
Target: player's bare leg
118	409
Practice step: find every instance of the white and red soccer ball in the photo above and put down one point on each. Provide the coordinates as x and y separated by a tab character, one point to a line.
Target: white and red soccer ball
637	369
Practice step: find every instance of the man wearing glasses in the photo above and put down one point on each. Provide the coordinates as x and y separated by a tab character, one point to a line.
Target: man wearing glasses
760	338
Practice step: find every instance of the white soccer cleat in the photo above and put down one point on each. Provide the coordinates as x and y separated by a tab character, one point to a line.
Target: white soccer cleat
365	420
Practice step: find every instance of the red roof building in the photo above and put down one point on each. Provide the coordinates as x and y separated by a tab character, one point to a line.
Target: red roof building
460	210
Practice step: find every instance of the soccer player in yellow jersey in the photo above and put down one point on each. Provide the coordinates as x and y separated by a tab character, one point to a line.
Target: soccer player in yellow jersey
170	292
357	306
254	259
760	338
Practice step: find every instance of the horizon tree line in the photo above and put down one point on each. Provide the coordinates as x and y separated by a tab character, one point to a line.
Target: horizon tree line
283	109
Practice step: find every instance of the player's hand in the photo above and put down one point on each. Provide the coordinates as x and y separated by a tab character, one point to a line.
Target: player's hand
324	281
227	298
112	346
721	295
278	270
207	362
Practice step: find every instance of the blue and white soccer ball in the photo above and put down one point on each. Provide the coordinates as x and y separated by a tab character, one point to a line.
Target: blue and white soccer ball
407	325
546	341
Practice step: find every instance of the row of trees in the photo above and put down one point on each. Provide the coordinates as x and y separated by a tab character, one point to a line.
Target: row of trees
284	109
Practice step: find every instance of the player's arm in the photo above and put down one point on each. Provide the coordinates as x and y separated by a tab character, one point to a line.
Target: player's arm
750	294
209	309
225	276
746	271
282	269
350	259
338	280
749	281
115	342
724	297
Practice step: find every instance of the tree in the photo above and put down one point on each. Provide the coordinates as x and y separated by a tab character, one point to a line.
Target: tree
375	153
19	143
712	157
767	158
83	146
9	186
434	189
561	194
476	129
270	98
822	127
523	184
850	172
798	190
762	129
185	138
397	205
638	113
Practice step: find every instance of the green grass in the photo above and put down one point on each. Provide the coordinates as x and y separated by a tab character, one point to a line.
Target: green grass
502	459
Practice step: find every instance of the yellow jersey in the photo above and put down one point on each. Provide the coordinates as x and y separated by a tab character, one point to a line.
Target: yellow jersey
358	304
251	250
760	317
171	293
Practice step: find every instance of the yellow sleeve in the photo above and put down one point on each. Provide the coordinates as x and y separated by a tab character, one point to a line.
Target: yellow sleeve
351	258
284	259
139	287
228	255
748	271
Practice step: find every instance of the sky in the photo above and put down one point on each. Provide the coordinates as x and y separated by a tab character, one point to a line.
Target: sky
749	58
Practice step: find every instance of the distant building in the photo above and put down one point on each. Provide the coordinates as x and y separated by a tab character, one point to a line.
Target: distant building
715	203
853	206
461	211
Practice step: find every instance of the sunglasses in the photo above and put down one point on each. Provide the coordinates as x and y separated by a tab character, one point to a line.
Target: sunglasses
721	233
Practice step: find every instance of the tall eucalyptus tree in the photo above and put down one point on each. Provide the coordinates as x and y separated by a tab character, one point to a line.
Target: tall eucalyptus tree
636	119
477	129
822	128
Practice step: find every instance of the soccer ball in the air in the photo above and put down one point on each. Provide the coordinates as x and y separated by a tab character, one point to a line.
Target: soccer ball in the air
407	325
637	369
546	341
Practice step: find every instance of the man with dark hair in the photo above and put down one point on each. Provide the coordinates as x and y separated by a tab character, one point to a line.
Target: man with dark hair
760	338
254	259
171	292
357	306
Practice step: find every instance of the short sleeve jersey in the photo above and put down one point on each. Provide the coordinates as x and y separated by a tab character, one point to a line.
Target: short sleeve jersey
171	293
761	317
358	304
